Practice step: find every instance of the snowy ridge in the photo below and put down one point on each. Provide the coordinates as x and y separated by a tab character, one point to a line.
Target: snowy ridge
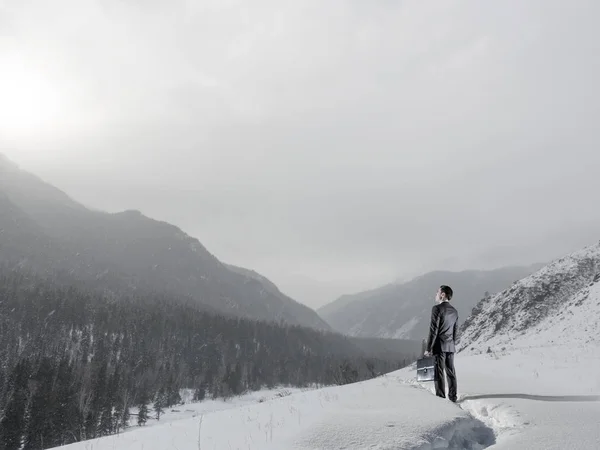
559	304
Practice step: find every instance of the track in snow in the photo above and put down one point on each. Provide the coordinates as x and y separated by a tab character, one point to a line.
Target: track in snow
470	433
541	398
464	434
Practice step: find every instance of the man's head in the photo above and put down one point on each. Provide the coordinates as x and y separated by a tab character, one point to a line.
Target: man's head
444	293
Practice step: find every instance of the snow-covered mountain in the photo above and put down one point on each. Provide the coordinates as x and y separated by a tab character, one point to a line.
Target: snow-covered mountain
402	311
557	305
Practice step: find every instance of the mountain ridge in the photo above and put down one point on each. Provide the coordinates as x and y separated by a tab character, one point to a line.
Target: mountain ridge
63	234
401	311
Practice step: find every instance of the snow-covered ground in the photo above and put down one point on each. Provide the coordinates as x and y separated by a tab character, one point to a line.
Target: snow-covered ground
191	409
532	398
541	397
384	413
537	388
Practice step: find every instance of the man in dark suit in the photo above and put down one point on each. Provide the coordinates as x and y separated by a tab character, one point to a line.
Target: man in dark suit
441	342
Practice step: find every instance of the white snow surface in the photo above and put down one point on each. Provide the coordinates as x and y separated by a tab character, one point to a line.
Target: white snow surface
532	398
538	388
538	397
191	409
376	414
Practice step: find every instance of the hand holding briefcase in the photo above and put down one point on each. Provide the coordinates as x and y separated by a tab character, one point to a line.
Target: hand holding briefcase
426	369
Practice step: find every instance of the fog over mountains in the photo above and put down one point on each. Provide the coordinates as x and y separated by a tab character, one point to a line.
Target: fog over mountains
42	228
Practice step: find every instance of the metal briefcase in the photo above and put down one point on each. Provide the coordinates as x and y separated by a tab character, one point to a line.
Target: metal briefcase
426	369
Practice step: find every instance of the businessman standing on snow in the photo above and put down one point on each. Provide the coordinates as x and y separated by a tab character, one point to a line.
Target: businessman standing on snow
441	342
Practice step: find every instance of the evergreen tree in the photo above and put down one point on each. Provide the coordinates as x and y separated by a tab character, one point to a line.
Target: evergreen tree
121	415
159	403
67	416
90	425
13	424
106	425
142	414
41	430
200	393
126	416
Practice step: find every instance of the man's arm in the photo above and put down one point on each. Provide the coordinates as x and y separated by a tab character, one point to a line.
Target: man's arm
433	328
454	331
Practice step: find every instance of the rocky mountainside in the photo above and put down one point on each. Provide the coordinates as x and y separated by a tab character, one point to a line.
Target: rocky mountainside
43	229
557	305
402	311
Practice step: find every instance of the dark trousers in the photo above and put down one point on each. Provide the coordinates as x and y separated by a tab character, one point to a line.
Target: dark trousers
445	362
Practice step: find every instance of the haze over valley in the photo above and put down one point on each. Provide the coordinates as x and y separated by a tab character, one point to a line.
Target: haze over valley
333	148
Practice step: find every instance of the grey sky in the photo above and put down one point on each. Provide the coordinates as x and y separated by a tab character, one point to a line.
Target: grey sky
331	145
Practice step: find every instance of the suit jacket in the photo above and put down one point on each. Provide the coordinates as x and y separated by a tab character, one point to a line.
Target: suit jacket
442	331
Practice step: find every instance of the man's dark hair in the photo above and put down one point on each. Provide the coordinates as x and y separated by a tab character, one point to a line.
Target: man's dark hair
447	290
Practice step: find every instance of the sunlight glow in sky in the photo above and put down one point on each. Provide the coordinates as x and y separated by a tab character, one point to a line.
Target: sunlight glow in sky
30	104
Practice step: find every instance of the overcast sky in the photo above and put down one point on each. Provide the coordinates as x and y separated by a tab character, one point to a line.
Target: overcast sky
331	145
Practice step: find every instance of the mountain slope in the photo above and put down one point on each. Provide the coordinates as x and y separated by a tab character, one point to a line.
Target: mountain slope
19	234
402	310
558	305
146	253
287	306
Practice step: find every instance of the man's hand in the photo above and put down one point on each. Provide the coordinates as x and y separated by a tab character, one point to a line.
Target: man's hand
427	354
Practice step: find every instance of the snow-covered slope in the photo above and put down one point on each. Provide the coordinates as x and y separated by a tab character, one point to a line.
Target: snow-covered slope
535	398
558	305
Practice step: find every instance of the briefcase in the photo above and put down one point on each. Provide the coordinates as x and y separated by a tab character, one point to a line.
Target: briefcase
426	369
